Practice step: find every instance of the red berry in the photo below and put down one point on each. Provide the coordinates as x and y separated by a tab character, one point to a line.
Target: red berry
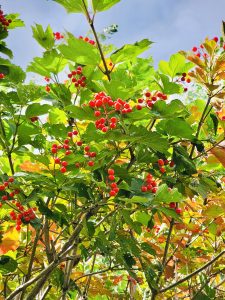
172	164
215	39
68	152
2	187
70	134
160	162
112	125
86	148
178	211
75	132
91	163
16	192
194	49
113	119
162	170
113	185
112	193
54	150
5	197
63	170
97	113
57	160
144	189
105	129
64	163
139	107
79	143
47	88
111	172
11	179
147	94
172	205
111	177
66	141
18	227
77	165
154	190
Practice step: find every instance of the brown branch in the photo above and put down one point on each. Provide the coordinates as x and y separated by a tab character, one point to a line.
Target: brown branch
192	274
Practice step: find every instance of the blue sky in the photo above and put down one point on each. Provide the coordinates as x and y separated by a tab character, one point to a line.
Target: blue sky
172	24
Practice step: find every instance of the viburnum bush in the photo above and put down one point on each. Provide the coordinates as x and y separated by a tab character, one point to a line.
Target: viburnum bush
112	172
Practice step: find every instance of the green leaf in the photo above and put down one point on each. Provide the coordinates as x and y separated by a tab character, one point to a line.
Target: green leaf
15	21
5	50
161	109
176	65
177	127
44	37
130	52
168	87
170	213
7	264
57	116
80	52
36	109
183	163
214	211
165	195
81	113
142	217
147	248
215	122
101	5
73	6
51	62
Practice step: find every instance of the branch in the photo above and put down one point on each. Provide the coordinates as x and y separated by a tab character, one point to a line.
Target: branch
201	122
91	23
192	274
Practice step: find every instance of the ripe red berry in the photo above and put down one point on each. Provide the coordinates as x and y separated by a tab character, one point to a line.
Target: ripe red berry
111	177
113	185
113	119
57	160
91	163
112	193
172	204
11	179
5	197
162	170
54	150
79	143
18	227
68	152
86	148
144	189
70	134
178	210
194	49
75	132
154	190
172	164
47	88
105	129
111	172
148	94
66	141
112	125
2	187
97	113
139	107
63	170
160	162
216	39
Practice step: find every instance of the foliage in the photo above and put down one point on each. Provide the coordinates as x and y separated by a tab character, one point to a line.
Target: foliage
112	187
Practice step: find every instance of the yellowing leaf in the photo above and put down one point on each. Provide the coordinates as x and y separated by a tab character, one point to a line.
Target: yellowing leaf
219	153
10	241
29	166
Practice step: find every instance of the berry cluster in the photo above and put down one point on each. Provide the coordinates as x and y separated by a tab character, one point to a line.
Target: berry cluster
149	99
23	217
113	185
200	51
150	184
104	106
4	22
86	39
67	148
58	35
174	206
162	163
77	77
19	214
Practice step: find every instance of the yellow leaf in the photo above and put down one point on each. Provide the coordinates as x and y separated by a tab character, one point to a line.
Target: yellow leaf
10	241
